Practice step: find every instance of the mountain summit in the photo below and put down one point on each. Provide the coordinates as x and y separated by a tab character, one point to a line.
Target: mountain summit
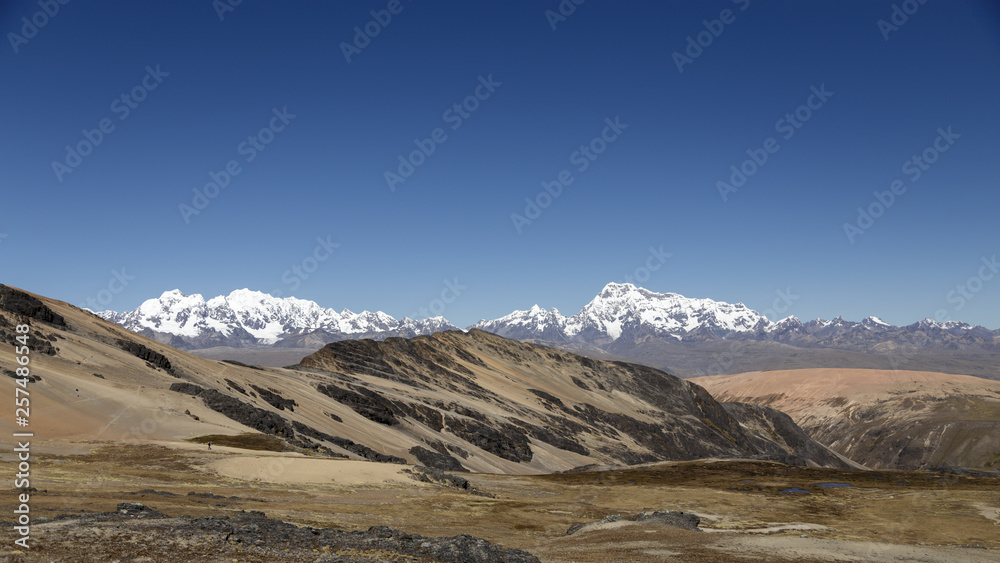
622	309
680	334
252	318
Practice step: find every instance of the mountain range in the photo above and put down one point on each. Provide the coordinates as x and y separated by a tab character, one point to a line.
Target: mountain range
454	400
622	321
483	433
247	318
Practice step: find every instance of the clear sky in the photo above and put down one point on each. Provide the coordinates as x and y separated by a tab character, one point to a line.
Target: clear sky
309	114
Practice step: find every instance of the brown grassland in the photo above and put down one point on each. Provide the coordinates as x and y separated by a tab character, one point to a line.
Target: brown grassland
883	515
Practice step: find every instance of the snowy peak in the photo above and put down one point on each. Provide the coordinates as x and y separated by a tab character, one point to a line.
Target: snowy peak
625	313
931	324
874	323
246	317
532	323
620	314
622	308
621	305
786	324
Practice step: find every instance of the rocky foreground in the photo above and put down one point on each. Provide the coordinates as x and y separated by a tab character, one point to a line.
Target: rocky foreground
246	536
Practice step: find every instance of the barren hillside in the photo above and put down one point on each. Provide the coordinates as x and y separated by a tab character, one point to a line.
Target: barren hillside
882	418
460	401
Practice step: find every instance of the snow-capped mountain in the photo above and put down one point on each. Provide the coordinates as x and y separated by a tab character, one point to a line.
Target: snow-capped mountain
623	314
535	323
252	318
626	310
619	318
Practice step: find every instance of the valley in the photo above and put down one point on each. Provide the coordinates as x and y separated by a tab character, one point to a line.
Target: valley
687	337
209	511
882	418
510	442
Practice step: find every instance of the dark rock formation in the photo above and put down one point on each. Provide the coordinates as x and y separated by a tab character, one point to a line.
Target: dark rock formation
246	414
365	402
24	305
507	441
436	460
143	353
254	534
274	399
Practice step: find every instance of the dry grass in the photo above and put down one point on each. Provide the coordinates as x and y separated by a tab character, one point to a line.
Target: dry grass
534	512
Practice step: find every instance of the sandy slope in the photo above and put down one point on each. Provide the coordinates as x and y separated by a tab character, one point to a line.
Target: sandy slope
881	417
563	410
115	438
298	470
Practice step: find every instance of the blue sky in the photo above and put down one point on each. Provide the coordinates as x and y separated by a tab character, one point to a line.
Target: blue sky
198	85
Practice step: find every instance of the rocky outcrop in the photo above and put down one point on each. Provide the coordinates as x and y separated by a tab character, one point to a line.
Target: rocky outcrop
252	534
254	417
436	460
143	353
576	404
881	419
673	518
26	306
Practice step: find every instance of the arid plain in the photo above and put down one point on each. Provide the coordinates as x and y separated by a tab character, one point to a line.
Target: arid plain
117	424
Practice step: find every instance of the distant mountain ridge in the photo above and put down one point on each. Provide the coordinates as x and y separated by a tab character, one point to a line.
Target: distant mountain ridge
624	311
453	400
622	320
246	318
